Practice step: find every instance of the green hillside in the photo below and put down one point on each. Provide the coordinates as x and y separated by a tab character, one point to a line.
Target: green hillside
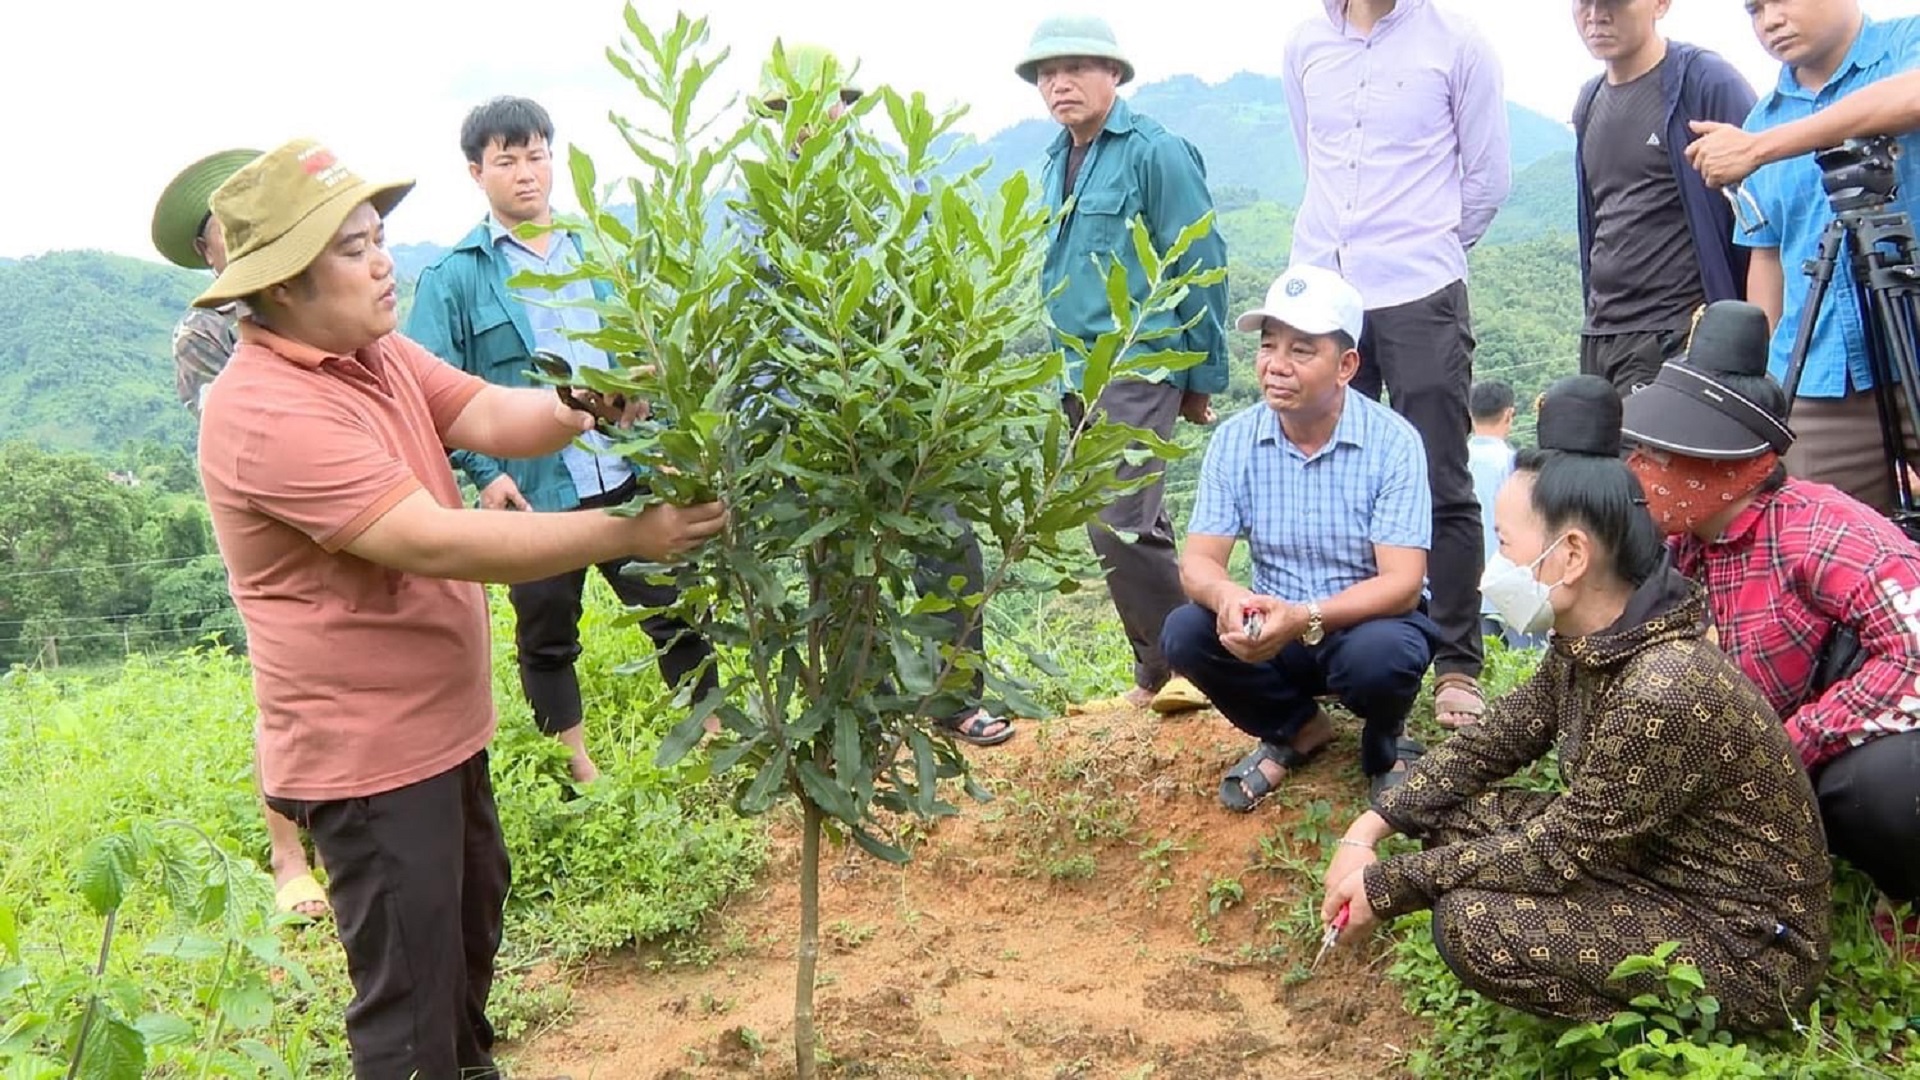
87	360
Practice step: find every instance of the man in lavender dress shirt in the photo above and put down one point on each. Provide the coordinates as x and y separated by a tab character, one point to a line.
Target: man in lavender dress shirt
1400	118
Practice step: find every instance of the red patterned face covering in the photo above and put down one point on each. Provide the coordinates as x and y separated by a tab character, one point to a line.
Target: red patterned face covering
1682	491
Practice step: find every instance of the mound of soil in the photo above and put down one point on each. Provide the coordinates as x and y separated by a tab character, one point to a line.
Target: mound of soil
1103	916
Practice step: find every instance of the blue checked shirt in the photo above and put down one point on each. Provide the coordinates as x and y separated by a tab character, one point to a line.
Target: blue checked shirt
1789	194
1312	522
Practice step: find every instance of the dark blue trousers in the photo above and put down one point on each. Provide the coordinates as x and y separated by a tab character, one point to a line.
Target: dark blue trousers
1373	668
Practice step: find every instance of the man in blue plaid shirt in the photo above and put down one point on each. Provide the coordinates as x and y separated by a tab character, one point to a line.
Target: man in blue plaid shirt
1329	489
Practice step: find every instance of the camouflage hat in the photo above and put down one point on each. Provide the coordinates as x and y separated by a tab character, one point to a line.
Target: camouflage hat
182	210
280	212
807	66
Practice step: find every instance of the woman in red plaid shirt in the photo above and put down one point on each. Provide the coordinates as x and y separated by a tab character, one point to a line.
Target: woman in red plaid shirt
1816	596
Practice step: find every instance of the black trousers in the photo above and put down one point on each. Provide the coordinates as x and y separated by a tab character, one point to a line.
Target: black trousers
1630	361
1870	805
546	632
417	878
1422	352
1143	574
1374	668
933	576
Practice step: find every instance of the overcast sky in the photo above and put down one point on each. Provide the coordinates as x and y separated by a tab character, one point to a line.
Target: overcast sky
114	96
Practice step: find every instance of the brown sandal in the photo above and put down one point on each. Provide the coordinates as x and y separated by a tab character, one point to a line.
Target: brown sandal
1457	701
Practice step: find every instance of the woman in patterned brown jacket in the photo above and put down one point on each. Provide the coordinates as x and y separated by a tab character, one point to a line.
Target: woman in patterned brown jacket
1685	814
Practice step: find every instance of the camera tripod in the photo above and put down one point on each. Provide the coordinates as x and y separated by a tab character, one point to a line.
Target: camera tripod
1884	261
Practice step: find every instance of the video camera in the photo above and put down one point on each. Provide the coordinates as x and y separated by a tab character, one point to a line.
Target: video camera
1858	175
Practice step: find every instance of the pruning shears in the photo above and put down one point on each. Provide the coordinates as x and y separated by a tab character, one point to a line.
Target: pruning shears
1331	936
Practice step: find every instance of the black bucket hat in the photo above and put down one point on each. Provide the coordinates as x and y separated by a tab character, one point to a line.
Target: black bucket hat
1688	410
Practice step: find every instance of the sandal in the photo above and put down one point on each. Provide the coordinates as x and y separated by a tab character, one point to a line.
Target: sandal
1177	696
1245	786
1405	751
1456	701
970	728
299	891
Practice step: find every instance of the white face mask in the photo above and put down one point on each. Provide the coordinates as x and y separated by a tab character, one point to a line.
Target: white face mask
1521	599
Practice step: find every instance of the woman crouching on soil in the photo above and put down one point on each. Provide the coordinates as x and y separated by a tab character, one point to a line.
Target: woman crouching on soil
1685	815
1815	595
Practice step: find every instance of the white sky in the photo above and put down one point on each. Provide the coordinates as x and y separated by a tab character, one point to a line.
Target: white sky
114	96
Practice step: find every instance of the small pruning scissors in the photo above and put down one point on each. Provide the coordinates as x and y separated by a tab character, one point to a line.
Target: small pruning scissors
605	409
1332	935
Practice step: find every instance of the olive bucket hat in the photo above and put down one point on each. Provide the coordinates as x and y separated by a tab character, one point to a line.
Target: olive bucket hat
182	210
280	212
1072	35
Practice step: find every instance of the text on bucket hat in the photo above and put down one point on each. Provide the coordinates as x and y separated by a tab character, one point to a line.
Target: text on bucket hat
281	210
1689	408
183	207
1072	35
1312	300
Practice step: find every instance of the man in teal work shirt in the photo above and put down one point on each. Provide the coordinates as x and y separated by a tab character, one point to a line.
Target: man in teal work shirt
464	313
1118	165
1842	75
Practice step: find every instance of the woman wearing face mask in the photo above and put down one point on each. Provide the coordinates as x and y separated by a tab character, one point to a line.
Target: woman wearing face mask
1684	815
1815	596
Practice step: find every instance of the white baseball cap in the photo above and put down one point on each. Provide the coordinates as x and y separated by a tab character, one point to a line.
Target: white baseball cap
1311	300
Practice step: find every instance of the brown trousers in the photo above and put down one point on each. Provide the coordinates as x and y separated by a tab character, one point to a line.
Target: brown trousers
1837	441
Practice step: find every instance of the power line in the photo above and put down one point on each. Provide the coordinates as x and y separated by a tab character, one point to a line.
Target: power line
122	634
105	566
111	618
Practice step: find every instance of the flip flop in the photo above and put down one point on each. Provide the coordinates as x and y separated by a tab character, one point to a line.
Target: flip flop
968	728
1178	696
1454	696
1404	750
298	890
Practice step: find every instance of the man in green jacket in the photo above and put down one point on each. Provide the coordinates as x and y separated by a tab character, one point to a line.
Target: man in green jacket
1116	165
464	313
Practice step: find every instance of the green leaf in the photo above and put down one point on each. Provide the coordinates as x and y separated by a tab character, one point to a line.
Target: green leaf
820	788
115	1050
268	1060
186	947
247	1006
159	1029
106	870
926	773
878	848
767	786
848	763
12	978
1044	663
687	733
9	932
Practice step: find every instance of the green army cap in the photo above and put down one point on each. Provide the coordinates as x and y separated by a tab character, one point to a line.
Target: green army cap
183	207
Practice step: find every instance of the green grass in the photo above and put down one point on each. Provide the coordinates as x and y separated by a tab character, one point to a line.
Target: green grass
649	854
644	855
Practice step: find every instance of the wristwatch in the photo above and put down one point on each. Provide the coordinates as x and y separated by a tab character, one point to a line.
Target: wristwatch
1315	628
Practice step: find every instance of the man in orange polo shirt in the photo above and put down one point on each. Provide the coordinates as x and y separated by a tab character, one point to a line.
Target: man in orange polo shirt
323	450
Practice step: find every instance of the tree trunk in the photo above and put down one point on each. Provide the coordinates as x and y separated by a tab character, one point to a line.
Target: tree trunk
803	1038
